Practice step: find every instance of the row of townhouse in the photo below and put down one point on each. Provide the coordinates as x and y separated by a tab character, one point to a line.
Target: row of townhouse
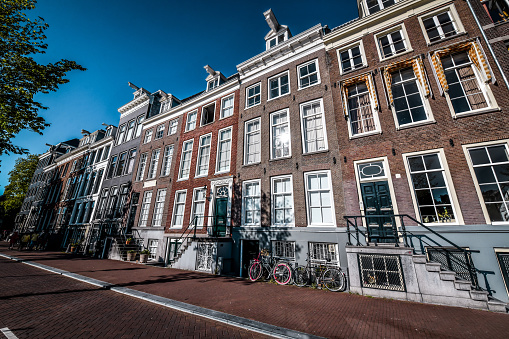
397	118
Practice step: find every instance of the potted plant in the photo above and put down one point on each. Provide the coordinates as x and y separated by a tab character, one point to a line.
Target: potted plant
144	256
75	246
129	241
131	254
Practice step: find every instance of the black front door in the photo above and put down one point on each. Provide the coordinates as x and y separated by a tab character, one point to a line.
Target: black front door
220	217
250	249
377	201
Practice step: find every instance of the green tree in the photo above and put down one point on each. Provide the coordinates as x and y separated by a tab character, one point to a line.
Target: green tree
19	180
21	77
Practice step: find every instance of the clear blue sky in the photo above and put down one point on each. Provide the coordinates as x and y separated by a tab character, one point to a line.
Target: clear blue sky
156	45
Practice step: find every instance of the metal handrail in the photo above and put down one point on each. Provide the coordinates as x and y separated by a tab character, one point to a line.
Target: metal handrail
193	226
405	236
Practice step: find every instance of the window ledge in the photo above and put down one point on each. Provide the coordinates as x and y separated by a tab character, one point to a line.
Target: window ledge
367	134
446	39
201	176
309	86
355	69
397	55
248	107
416	124
183	179
316	152
281	158
480	111
252	164
226	117
279	97
282	225
222	172
321	225
208	123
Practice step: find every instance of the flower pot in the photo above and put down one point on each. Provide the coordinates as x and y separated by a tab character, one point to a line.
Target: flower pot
143	258
128	242
73	249
130	256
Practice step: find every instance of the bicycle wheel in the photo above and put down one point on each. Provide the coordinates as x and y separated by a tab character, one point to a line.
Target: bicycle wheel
282	273
334	280
255	271
301	276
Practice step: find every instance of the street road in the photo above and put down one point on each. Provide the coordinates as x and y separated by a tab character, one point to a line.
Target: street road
38	304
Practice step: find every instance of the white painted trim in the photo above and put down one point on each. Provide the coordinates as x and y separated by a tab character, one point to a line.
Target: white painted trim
247	96
245	140
272	203
198	156
272	137
348	47
218	151
222	103
320	100
180	178
331	197
172	225
406	41
452	12
448	183
278	76
243	221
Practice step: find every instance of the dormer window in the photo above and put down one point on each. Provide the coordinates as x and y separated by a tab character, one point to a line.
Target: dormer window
276	41
278	33
166	106
377	5
212	84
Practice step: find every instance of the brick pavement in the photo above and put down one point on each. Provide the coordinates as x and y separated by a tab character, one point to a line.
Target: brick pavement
333	315
38	304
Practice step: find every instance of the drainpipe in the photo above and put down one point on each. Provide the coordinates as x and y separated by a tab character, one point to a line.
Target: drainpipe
488	43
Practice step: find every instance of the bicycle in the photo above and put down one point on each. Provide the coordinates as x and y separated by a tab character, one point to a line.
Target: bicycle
280	271
323	272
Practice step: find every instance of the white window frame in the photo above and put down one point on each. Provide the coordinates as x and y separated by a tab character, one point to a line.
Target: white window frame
376	119
173	215
286	247
272	200
246	148
324	127
474	177
319	79
182	154
157	216
244	197
140	172
258	84
121	133
148	136
218	153
192	123
453	14
167	159
272	139
154	162
425	103
193	207
139	126
400	28
199	155
485	89
159	131
145	208
223	108
331	198
278	77
153	248
130	131
173	126
348	48
284	35
448	182
202	123
326	251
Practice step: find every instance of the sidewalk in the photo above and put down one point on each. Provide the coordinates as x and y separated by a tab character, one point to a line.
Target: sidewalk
317	312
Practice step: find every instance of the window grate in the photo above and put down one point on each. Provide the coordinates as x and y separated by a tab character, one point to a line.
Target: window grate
381	272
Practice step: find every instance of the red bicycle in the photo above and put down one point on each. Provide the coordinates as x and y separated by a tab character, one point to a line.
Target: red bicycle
280	271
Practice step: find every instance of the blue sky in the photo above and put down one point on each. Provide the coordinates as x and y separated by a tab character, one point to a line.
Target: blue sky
156	45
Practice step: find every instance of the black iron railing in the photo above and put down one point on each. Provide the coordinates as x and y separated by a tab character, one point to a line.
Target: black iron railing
440	249
211	226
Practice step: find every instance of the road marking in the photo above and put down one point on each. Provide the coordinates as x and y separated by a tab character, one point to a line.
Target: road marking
7	332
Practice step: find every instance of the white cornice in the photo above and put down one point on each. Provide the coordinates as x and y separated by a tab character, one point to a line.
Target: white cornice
195	102
134	104
375	22
291	46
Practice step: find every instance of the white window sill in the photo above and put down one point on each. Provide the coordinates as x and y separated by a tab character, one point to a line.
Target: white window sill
367	134
479	111
252	164
441	223
201	176
353	70
317	152
397	55
248	107
444	39
222	172
183	179
278	97
251	225
416	124
283	225
175	227
321	225
309	86
281	158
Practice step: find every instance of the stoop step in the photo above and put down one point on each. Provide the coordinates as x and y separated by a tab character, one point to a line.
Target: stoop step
479	295
496	305
447	275
463	285
433	267
419	258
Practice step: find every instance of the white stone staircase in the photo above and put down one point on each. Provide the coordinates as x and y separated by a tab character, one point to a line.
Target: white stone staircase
439	286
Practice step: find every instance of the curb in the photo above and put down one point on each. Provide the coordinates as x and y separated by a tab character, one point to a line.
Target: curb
225	318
